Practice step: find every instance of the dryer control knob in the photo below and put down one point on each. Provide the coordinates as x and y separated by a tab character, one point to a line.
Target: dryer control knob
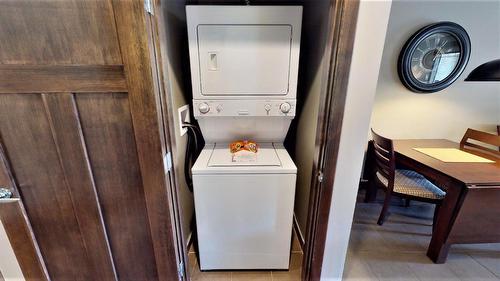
204	108
285	107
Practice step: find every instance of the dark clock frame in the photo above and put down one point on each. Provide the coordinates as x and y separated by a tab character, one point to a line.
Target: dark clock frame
404	60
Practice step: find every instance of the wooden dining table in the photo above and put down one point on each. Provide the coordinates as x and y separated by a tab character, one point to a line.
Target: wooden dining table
470	211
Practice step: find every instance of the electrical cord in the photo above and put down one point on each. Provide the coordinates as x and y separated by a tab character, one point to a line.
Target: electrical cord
193	148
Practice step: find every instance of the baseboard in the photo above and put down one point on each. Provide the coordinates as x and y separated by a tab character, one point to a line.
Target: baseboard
189	240
300	236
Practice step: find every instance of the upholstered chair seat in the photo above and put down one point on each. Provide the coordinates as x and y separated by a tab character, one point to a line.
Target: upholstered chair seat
414	184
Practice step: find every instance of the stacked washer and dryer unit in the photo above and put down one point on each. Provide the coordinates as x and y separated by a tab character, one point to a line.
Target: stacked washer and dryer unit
244	66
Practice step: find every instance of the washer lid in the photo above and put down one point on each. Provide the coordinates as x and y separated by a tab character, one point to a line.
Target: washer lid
266	156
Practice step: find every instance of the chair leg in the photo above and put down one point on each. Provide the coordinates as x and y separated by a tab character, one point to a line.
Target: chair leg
383	213
434	219
407	203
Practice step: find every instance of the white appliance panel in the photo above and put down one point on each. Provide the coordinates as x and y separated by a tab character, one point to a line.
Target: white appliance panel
264	108
201	166
239	60
230	120
247	52
244	221
265	156
260	129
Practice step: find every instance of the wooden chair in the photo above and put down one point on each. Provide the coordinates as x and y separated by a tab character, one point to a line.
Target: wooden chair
405	184
480	139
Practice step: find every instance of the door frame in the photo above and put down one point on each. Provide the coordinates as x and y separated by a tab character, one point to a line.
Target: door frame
337	59
157	43
136	35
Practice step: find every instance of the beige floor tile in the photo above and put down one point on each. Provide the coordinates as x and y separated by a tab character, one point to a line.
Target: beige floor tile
397	250
356	269
365	237
469	269
295	243
294	271
286	276
426	270
198	275
251	276
388	266
489	260
476	248
193	263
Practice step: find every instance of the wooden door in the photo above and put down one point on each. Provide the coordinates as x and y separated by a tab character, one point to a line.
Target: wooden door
80	125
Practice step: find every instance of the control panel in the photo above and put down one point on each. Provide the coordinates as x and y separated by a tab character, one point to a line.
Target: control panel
212	108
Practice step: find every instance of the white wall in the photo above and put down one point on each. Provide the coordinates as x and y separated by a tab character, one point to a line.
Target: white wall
368	47
9	267
400	113
178	95
312	83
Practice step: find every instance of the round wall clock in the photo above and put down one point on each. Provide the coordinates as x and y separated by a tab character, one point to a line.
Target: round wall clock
434	57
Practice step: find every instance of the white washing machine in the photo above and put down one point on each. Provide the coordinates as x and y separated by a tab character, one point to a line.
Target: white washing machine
244	212
244	67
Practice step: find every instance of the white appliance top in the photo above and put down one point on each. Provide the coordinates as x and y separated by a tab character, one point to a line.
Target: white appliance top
272	158
244	52
265	156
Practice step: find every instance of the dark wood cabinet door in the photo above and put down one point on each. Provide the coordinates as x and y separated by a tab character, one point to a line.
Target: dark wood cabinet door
80	129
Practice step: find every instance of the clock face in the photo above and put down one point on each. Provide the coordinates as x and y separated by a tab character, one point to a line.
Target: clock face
434	57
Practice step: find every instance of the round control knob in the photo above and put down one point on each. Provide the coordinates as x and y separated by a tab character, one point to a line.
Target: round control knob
267	107
285	107
204	108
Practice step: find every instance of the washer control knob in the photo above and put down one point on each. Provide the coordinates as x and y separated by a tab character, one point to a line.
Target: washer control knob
204	108
267	107
219	108
285	107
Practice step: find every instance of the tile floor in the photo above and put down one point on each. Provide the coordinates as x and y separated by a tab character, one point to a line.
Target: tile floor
293	274
397	250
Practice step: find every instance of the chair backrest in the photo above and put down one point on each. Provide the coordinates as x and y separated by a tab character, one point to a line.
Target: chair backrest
481	138
385	161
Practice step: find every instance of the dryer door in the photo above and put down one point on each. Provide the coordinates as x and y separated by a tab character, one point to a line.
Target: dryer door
244	60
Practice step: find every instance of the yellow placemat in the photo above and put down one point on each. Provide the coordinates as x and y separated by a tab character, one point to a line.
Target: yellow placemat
453	155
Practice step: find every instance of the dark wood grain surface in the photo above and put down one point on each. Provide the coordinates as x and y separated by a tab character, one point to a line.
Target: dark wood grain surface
337	61
470	211
467	173
479	218
21	237
107	127
145	109
65	78
80	124
35	163
68	138
53	32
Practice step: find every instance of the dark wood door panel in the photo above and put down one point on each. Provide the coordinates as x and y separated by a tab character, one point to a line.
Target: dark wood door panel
58	32
18	229
4	176
61	78
69	142
43	186
79	119
109	134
